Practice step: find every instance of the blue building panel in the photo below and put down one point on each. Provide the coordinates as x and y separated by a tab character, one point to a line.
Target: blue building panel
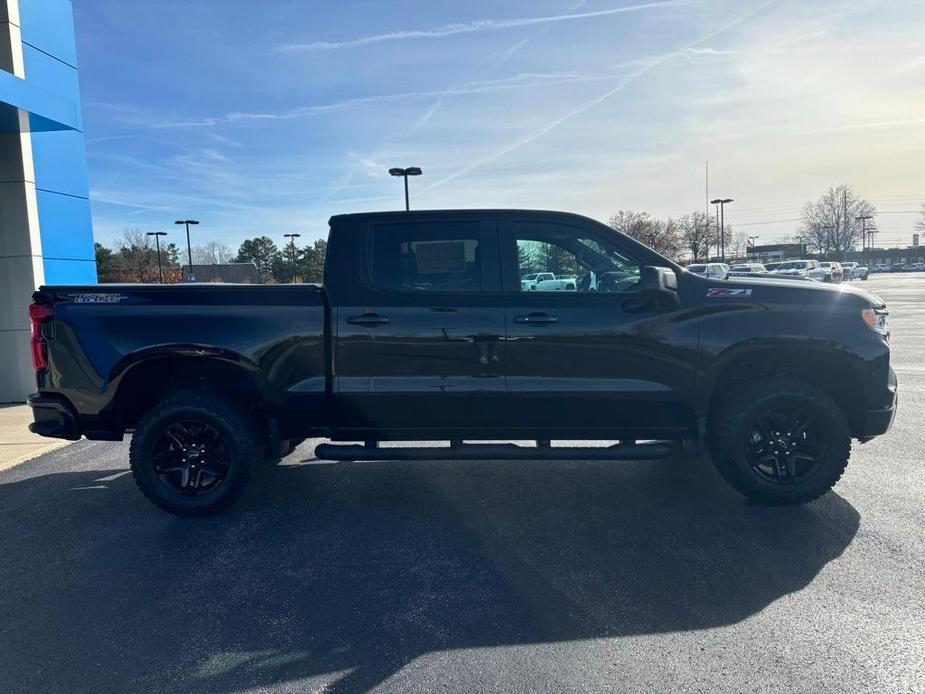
50	76
60	162
64	224
49	26
69	271
50	109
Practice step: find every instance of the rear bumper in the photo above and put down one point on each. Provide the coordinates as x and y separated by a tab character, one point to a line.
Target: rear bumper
878	421
53	417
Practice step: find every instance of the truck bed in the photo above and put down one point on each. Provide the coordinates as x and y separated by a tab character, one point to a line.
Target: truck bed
101	335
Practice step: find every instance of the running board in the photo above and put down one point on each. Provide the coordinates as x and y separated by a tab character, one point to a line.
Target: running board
496	451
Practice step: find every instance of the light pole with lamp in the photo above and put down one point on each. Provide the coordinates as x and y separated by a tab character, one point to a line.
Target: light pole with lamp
828	228
189	248
157	243
863	220
722	202
404	173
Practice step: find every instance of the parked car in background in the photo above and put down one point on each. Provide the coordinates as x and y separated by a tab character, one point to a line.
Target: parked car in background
880	267
854	271
771	267
835	270
529	282
897	267
744	269
918	267
810	269
562	283
717	271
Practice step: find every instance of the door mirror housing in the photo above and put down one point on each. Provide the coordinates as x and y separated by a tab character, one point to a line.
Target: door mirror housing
659	279
661	283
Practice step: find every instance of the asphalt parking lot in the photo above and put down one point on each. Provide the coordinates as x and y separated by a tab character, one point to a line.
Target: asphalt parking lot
423	577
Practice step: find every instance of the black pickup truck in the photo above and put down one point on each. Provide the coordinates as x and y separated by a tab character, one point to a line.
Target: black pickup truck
426	330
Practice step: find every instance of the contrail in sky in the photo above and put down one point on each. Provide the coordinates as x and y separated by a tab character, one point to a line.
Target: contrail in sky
620	86
472	27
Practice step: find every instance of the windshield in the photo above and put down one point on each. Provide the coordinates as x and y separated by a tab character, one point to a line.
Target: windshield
797	265
699	269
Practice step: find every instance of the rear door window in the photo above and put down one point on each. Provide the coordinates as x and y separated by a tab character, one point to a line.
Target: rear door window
431	257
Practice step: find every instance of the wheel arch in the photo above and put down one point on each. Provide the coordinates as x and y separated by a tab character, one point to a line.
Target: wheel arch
829	370
142	379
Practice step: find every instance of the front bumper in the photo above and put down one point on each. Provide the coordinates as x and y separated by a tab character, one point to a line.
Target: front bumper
53	417
876	422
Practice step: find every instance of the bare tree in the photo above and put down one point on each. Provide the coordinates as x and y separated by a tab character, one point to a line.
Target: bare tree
697	233
661	236
136	257
830	225
212	253
739	244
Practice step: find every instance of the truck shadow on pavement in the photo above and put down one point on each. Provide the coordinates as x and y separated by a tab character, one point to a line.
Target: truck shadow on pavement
345	573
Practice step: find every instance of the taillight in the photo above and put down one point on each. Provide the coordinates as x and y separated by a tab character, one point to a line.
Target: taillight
39	314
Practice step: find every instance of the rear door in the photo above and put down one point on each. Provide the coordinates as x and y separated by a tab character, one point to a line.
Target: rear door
602	358
419	343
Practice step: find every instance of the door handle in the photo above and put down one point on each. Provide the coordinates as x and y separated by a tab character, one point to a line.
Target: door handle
536	319
368	319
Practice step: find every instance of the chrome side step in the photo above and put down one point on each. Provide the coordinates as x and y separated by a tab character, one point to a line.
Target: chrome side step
496	451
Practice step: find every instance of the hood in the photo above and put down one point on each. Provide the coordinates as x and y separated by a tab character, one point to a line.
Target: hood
801	290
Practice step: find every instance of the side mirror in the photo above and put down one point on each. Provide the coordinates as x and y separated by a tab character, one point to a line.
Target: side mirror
659	279
662	284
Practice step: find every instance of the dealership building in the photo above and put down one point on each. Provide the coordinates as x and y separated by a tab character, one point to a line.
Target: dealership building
45	230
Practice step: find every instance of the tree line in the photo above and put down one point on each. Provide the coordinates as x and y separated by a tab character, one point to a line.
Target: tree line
829	227
134	259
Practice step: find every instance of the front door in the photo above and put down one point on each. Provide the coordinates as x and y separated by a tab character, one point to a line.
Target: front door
420	346
590	354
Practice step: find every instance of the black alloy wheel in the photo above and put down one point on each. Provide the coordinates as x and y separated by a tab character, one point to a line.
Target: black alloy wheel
191	457
785	445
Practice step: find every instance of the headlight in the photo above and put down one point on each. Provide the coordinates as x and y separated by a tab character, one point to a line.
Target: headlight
875	319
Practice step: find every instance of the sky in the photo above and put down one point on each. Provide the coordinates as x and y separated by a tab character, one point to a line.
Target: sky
267	118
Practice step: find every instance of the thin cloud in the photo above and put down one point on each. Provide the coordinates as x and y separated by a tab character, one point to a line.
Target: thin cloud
620	86
519	81
472	27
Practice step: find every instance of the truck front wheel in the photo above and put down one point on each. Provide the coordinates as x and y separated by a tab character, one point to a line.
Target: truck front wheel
191	454
780	441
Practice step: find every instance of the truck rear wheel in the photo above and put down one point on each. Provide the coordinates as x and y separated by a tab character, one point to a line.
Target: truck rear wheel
780	441
191	454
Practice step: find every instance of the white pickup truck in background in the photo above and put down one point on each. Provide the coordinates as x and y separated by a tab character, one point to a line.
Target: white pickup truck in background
547	282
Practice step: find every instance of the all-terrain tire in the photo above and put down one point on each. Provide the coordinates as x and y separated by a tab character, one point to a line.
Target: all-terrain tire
733	427
240	441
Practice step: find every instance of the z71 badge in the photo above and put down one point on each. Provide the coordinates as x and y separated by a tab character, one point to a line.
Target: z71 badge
726	292
107	298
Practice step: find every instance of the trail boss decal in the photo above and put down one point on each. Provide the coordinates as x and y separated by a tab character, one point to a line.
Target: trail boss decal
97	298
724	293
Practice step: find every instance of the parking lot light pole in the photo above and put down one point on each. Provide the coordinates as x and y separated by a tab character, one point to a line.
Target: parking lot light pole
292	238
863	220
157	243
828	227
189	248
751	240
404	173
722	202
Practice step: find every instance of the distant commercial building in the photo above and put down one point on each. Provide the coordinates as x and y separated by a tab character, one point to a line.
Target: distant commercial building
775	252
45	230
